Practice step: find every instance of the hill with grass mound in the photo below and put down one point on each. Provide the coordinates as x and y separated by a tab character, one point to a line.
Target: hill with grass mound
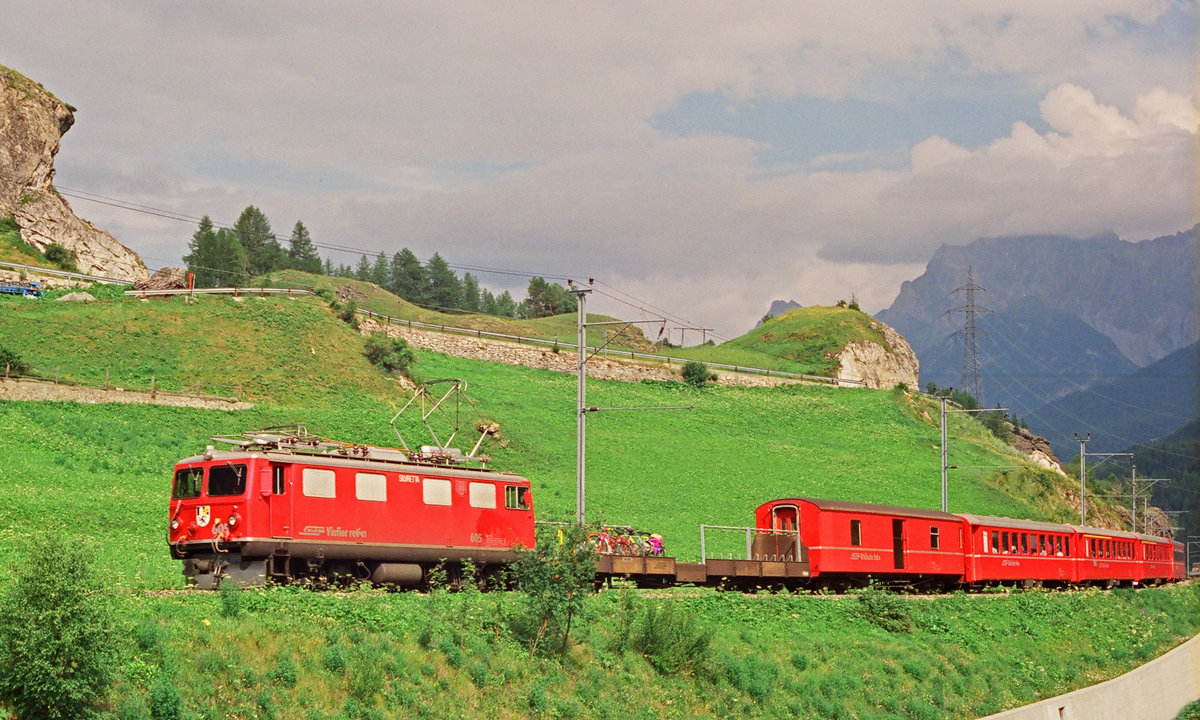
837	342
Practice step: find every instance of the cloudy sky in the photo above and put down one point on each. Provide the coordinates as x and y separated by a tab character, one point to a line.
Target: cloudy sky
703	159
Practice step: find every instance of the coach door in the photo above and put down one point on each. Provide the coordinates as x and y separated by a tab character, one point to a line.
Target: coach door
785	518
281	501
898	542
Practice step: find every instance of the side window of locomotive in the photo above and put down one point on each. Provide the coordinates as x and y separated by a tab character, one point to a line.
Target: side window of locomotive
516	497
435	492
933	537
279	486
370	486
187	483
482	495
315	482
856	532
224	480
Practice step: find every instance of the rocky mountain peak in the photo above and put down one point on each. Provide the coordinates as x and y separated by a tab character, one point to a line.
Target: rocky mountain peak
32	123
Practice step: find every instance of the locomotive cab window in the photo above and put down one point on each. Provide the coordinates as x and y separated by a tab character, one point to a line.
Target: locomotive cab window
933	537
224	480
187	483
278	479
856	532
516	497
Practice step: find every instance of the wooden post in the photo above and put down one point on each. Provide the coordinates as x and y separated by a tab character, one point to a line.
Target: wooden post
105	379
151	386
56	370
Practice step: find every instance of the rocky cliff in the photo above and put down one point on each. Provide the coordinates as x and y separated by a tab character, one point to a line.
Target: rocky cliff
880	366
32	123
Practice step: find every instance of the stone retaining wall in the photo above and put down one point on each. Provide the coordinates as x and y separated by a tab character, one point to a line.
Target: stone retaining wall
542	358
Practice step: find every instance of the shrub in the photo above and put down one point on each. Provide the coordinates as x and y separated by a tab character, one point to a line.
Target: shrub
61	256
884	609
390	354
753	675
554	578
671	640
696	373
56	631
285	671
11	360
165	700
349	314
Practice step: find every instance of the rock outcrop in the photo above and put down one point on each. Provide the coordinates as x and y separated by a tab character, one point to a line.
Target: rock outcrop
168	278
1036	447
880	366
32	123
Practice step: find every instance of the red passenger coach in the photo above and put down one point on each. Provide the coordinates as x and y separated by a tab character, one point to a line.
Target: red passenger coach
858	541
1157	559
283	507
1107	556
1006	550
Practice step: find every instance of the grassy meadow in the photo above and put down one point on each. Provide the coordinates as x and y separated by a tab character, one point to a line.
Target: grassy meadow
100	475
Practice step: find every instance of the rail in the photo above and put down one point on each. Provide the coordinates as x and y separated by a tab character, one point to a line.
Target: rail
235	291
609	352
66	274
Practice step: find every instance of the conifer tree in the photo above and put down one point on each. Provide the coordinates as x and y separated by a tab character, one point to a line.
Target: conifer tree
407	278
216	259
445	289
263	252
302	254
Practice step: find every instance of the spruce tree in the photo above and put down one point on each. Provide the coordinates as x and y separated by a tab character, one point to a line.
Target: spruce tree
263	252
407	278
471	300
379	270
302	254
445	289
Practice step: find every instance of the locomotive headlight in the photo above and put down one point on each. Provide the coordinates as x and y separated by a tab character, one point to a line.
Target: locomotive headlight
233	520
174	524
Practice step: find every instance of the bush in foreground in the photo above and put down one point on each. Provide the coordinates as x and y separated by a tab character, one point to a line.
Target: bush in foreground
56	634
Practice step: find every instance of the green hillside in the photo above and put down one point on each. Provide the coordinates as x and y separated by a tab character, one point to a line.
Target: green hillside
668	471
99	476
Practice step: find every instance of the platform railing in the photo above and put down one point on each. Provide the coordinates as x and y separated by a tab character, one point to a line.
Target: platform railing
730	542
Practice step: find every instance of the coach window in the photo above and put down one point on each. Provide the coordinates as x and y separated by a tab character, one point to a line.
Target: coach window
996	547
277	473
1024	544
856	532
482	495
933	537
1004	547
516	497
315	482
435	492
370	486
226	480
1067	546
187	483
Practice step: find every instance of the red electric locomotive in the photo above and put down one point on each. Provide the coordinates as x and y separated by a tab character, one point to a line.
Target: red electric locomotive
286	506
